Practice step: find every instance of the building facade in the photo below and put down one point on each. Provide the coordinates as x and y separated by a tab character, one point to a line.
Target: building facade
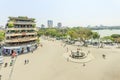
50	23
59	25
20	36
42	26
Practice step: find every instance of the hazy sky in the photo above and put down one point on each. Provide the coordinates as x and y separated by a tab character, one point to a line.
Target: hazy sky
69	12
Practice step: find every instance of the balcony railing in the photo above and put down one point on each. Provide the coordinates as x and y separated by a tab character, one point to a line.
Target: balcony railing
21	28
23	22
20	44
20	40
22	33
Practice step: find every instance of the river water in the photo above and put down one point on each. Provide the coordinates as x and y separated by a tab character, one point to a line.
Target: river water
107	32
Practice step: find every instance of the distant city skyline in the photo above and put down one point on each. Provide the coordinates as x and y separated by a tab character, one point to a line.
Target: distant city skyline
69	12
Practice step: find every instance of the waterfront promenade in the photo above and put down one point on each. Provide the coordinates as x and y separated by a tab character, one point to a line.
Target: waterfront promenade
48	63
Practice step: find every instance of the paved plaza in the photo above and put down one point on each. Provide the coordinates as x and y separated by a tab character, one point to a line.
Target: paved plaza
49	63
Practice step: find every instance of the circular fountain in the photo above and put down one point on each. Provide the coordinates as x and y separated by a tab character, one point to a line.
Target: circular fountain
78	56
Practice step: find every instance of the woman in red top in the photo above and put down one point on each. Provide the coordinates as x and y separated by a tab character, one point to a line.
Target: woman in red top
13	54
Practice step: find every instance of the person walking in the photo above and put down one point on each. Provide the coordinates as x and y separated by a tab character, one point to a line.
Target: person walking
64	45
68	59
32	51
25	61
41	45
6	64
104	56
14	54
0	77
11	63
83	64
67	49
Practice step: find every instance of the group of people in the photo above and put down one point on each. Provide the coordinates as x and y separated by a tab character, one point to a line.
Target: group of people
11	63
26	61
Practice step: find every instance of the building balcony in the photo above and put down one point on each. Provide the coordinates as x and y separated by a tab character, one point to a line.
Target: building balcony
23	23
20	34
21	39
21	29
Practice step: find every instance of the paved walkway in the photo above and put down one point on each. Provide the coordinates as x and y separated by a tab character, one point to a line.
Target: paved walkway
48	63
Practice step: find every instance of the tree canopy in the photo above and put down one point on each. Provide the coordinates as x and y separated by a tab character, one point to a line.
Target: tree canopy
95	35
115	35
74	33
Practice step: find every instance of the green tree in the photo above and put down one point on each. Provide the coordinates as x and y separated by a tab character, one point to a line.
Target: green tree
51	32
95	35
84	34
107	38
1	38
115	35
40	32
73	34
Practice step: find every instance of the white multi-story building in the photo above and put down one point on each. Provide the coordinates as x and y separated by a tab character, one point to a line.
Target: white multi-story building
20	36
